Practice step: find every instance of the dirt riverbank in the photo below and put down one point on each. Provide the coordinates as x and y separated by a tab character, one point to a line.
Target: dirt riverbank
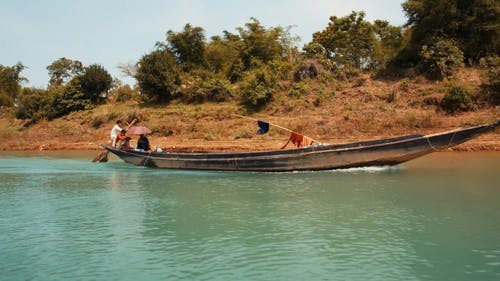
335	112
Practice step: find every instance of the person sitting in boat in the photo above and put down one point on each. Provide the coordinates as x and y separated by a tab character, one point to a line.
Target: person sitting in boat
115	132
143	143
122	140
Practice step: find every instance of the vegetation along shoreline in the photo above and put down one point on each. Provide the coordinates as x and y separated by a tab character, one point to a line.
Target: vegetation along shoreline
356	80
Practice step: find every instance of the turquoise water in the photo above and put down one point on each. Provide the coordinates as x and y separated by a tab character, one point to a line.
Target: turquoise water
65	218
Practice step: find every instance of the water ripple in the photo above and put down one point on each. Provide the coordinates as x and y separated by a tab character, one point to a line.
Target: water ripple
65	219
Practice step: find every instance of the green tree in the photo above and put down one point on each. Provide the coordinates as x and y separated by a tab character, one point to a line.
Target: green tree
482	26
458	99
441	57
208	90
34	104
289	44
63	70
222	53
188	46
314	50
158	76
491	69
37	104
258	87
122	93
224	56
390	41
473	24
95	81
10	83
69	98
349	41
261	44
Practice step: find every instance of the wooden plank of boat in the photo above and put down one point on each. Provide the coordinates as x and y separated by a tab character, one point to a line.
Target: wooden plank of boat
390	151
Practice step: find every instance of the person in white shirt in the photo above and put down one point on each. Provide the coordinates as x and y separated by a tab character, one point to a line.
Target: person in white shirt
115	131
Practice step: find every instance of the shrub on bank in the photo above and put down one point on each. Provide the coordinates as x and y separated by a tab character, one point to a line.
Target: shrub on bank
458	99
33	104
491	68
257	88
124	93
440	58
209	90
36	104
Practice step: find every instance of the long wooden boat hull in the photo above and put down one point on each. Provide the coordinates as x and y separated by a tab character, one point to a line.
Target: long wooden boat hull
390	151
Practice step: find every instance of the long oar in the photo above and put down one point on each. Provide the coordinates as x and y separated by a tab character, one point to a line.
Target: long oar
103	156
256	120
274	125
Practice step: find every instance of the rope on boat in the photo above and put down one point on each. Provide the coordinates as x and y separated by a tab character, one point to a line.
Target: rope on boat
452	139
430	144
434	148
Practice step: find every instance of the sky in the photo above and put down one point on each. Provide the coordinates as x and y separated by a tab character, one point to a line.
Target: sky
113	32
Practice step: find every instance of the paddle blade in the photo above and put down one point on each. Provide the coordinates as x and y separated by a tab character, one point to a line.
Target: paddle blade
102	157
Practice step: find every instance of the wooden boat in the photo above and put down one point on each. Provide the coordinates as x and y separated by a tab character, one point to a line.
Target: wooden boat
390	151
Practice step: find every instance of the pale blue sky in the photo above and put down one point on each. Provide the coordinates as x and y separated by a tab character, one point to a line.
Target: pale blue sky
110	32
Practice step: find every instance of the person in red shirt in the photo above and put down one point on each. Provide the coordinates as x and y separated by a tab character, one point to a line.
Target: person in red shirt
122	140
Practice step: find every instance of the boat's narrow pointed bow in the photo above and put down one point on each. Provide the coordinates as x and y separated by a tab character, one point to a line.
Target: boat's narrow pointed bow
495	125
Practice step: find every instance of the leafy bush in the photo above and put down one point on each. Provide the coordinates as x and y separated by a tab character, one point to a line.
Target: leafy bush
10	83
124	93
236	70
33	104
348	41
491	66
314	50
95	81
474	24
257	88
200	90
68	99
215	90
457	100
98	121
440	58
5	100
323	95
37	104
158	76
346	73
298	90
282	69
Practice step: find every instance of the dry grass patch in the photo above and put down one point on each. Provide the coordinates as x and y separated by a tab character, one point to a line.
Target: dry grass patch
356	111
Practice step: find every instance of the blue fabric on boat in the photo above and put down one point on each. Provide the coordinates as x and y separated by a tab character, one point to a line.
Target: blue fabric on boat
263	127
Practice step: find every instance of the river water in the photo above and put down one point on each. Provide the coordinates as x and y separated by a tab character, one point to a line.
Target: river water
65	218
